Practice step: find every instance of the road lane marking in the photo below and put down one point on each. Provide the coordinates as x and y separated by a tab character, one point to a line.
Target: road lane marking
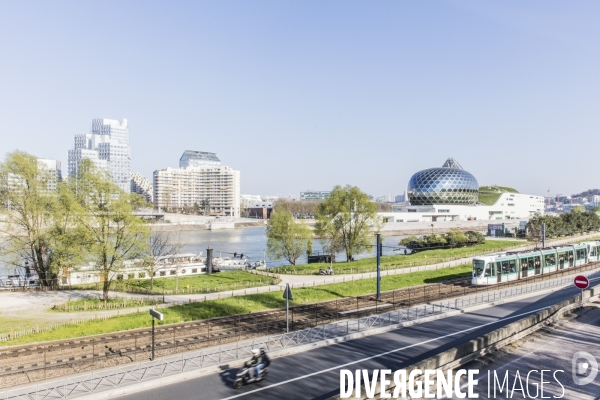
380	354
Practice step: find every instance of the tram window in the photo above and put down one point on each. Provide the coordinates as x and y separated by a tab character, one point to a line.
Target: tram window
478	266
536	261
581	254
562	257
592	252
550	260
490	270
512	266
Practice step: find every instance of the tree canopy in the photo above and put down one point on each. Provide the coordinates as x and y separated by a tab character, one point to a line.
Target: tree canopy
348	220
287	237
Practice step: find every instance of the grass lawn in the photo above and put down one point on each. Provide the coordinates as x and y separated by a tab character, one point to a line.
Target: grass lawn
217	282
249	303
8	324
401	261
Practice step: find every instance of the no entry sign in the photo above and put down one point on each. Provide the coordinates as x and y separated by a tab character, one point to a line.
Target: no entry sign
581	282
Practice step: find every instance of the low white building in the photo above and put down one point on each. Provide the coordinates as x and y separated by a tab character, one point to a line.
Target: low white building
508	206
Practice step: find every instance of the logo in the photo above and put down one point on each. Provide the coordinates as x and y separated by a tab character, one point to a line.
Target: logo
582	368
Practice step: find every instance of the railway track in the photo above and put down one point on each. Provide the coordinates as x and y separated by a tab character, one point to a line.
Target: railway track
27	363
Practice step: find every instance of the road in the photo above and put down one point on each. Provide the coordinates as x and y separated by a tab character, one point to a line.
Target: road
315	374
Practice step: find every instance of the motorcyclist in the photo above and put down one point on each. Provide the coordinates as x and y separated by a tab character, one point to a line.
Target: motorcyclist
255	361
264	362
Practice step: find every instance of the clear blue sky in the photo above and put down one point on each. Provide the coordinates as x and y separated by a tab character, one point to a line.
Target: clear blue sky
310	94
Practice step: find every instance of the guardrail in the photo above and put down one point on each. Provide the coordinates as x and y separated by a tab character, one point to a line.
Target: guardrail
94	382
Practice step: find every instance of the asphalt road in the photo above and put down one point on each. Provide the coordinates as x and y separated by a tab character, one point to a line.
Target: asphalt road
315	374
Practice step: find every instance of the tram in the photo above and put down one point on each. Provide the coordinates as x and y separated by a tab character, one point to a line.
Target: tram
512	266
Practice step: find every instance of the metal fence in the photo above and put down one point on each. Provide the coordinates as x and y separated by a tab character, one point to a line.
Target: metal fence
96	382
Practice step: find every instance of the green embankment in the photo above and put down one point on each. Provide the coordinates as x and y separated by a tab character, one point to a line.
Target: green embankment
488	195
401	261
245	304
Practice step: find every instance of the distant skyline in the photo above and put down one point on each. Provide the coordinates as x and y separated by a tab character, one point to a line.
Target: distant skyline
308	95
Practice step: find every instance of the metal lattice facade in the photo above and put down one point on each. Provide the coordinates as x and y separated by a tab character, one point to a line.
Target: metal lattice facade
446	185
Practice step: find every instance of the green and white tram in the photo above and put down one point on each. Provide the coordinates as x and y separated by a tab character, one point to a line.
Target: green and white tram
496	268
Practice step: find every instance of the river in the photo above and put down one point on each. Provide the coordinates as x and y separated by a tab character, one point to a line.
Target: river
252	243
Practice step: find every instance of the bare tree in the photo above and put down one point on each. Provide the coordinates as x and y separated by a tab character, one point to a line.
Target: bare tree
161	245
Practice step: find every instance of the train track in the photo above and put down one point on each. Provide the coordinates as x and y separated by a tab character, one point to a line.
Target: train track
26	363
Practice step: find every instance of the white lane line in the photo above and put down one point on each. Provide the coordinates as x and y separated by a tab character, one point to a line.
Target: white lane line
380	354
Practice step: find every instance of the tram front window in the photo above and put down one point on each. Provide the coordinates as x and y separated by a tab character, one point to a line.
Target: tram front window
478	267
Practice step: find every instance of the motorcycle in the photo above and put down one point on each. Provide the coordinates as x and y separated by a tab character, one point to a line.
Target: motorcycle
243	376
326	271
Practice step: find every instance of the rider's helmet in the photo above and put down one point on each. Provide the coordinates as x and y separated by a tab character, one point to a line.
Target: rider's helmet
255	352
262	350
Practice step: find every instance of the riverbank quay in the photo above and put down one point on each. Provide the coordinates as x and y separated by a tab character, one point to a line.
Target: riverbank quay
30	301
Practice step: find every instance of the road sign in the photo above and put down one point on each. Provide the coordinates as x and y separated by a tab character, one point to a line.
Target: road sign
581	282
287	293
156	314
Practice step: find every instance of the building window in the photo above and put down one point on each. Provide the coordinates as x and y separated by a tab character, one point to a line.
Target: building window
130	276
163	273
194	270
172	272
142	275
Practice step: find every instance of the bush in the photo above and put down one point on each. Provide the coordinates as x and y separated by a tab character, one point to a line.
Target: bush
446	241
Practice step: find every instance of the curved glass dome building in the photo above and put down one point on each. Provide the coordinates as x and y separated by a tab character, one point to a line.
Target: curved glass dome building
450	184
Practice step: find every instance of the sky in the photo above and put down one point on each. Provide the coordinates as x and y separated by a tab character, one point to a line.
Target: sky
305	95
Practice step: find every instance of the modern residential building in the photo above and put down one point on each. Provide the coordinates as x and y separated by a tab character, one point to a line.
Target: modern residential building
53	167
191	158
141	185
107	146
311	195
212	187
450	193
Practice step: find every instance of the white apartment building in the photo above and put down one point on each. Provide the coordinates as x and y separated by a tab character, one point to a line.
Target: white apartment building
176	188
141	185
107	146
53	167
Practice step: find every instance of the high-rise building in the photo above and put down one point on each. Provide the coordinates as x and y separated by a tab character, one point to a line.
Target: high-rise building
214	188
141	185
107	146
191	158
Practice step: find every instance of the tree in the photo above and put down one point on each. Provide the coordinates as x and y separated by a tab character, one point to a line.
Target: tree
29	211
286	237
160	245
348	217
110	231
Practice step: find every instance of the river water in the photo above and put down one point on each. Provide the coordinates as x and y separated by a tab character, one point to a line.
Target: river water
252	242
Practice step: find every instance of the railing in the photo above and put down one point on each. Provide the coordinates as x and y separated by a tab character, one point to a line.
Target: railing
96	382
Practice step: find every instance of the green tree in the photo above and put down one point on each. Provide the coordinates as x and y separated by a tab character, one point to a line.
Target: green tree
111	232
348	217
29	210
286	237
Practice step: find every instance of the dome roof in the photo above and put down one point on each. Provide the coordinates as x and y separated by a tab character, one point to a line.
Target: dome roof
450	184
